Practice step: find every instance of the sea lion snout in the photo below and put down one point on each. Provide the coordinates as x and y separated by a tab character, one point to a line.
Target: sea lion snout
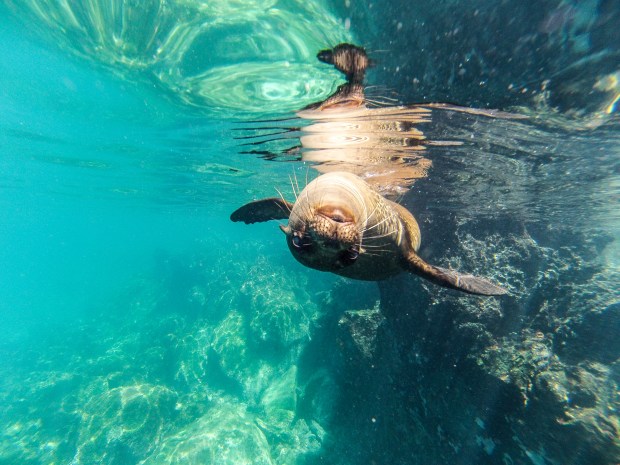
326	239
336	231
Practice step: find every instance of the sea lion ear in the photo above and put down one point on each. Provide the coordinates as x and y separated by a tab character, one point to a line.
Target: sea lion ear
452	279
262	210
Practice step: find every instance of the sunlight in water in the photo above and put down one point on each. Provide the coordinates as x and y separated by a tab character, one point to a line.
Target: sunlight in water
257	87
247	56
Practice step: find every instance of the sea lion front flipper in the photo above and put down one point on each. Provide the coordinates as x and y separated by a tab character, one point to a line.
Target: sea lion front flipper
263	210
452	279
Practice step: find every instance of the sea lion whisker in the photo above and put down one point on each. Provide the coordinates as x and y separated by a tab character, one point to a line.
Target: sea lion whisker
378	236
296	181
376	252
378	103
384	97
384	234
382	90
375	246
298	215
371	254
299	212
363	229
295	192
386	218
364	242
376	225
284	208
305	207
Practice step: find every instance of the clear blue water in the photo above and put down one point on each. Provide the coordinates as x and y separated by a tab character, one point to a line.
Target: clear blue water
138	324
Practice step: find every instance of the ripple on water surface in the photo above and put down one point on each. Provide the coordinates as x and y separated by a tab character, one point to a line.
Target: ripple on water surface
217	55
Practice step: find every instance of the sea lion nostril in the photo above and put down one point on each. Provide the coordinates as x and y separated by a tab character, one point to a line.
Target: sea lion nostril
353	253
301	241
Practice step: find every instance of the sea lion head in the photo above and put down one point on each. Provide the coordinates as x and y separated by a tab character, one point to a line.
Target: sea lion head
353	62
324	229
348	59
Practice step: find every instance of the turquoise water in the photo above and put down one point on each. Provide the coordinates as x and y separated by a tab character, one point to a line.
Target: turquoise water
139	325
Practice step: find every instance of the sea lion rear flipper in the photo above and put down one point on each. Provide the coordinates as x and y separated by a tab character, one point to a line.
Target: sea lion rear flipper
452	279
262	210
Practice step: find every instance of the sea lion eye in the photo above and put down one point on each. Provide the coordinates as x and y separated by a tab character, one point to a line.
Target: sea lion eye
297	242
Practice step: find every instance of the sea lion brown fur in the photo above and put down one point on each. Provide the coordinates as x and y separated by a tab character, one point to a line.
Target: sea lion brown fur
340	224
349	59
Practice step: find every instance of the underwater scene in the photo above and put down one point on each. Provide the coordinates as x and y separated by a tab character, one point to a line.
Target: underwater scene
278	232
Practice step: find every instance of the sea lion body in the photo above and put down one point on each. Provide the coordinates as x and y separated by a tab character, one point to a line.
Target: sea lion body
342	225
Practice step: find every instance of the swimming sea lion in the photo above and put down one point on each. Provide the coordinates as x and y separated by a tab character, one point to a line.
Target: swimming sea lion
340	224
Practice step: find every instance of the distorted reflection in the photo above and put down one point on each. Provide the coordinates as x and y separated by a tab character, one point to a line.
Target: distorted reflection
348	131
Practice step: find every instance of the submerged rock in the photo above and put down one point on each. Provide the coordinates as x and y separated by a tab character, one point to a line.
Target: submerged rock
362	326
281	309
226	435
230	433
123	424
529	378
279	401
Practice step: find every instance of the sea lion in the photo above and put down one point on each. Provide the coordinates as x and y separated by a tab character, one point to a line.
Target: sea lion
342	225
